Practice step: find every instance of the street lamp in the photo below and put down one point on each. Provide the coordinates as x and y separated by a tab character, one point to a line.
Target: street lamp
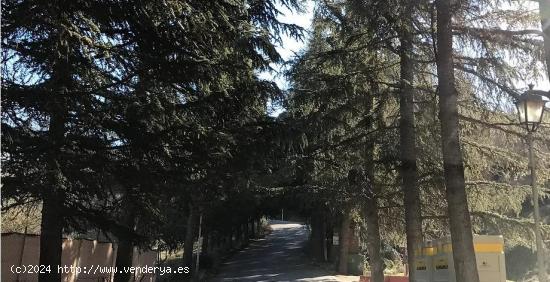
531	110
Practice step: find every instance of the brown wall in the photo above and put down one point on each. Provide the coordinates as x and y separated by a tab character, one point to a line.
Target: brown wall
18	249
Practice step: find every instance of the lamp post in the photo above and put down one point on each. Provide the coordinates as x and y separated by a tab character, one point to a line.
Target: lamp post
530	107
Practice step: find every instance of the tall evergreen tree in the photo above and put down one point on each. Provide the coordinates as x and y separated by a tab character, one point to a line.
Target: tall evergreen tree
56	71
459	216
407	134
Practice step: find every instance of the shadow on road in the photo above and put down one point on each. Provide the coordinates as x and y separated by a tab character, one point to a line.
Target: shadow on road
278	257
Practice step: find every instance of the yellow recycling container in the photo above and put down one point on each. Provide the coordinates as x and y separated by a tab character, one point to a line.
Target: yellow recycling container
442	261
489	252
424	265
490	258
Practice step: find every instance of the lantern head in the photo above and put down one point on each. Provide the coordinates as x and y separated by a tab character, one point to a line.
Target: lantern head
530	107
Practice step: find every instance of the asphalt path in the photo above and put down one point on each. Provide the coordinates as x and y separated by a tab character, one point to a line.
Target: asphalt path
278	257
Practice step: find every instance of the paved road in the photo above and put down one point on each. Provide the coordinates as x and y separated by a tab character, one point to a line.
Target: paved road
279	257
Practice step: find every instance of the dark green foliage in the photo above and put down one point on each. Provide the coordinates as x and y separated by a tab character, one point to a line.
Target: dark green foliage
126	114
156	106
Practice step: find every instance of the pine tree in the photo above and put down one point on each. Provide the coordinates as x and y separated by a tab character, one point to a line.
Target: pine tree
459	216
409	171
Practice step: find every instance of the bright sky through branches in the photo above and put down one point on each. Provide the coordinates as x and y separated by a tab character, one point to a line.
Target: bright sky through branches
289	47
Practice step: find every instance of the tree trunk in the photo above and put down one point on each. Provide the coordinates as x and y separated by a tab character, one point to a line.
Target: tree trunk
124	257
51	237
253	228
190	234
409	172
344	241
230	241
246	231
125	246
325	250
544	9
238	236
371	206
459	215
371	219
218	241
317	237
53	215
373	244
207	238
328	240
242	229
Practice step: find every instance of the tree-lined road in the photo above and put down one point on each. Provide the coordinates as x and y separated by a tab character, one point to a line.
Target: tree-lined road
278	257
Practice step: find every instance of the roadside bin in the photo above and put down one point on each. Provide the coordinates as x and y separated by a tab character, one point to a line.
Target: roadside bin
424	262
356	264
489	251
442	261
490	258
